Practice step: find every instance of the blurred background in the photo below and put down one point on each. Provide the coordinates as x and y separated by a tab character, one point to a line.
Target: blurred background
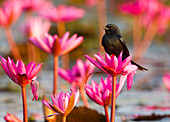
144	24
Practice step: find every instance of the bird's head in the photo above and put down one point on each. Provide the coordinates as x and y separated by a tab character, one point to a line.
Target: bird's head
111	29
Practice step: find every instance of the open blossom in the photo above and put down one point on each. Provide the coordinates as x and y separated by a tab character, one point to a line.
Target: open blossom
135	8
149	11
163	20
101	93
63	45
36	5
78	74
115	66
152	11
158	13
22	74
36	27
166	80
139	7
10	13
63	103
152	7
11	118
63	13
91	3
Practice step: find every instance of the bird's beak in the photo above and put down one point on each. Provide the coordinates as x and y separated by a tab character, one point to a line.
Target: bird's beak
106	28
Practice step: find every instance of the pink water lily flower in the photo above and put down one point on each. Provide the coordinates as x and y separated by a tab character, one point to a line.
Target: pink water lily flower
158	13
152	11
115	66
36	5
78	74
139	7
135	8
101	93
152	6
166	80
22	74
36	27
163	20
63	13
64	44
10	13
91	3
11	118
63	103
149	11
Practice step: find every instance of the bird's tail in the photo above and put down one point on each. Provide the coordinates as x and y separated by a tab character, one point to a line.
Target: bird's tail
139	67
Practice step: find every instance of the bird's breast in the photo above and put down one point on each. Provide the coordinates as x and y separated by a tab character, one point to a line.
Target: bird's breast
112	45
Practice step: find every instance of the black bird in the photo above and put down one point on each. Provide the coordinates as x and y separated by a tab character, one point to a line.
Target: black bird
113	43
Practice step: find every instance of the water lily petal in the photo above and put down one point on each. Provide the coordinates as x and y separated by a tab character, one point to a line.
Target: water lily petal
35	71
81	68
124	63
121	83
54	101
95	87
11	118
114	63
120	58
166	80
107	97
34	87
46	104
21	67
94	62
52	115
63	40
89	93
73	98
56	109
108	59
65	74
5	67
98	100
30	67
130	80
101	60
74	44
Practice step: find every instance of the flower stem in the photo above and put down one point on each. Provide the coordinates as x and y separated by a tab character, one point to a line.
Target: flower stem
33	53
144	45
102	20
12	44
113	99
61	29
137	32
24	100
83	96
106	113
55	84
64	119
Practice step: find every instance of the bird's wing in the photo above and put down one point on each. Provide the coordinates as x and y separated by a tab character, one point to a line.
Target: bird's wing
122	41
103	40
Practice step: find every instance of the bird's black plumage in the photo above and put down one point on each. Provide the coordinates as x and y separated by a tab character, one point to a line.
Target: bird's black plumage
113	43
